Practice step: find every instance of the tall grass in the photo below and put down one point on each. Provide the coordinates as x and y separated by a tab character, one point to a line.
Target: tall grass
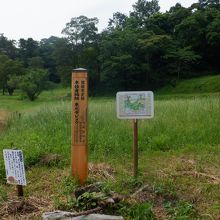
177	124
205	84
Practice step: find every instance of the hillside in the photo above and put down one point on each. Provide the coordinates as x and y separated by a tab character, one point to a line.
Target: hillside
207	84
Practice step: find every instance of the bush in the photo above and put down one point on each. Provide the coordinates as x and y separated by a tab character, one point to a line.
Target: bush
33	83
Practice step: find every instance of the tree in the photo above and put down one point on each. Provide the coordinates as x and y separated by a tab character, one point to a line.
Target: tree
46	52
213	41
33	82
118	21
12	83
120	61
177	14
198	32
27	49
181	59
153	48
191	31
8	67
81	30
7	47
209	3
4	62
159	24
35	62
82	36
143	9
89	59
213	31
65	59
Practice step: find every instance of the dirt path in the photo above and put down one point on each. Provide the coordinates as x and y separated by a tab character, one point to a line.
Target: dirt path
3	118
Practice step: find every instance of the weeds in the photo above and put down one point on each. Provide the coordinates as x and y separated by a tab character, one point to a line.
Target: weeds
3	195
180	126
181	210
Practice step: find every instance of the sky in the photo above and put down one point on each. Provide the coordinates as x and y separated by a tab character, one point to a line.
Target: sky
43	18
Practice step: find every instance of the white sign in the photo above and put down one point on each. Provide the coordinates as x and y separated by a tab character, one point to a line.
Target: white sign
14	166
135	105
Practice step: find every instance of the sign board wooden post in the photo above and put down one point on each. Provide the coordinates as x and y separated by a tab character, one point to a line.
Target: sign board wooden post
135	146
79	154
20	191
135	105
15	171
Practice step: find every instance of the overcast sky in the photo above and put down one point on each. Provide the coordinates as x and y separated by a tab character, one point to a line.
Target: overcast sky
42	18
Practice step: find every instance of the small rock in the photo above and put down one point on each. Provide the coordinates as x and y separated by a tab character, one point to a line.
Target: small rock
57	215
60	215
103	217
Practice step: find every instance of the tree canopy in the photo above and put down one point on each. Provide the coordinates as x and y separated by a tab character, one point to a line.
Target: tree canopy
143	49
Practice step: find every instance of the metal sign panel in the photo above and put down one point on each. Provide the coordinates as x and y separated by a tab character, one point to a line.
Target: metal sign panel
135	105
14	167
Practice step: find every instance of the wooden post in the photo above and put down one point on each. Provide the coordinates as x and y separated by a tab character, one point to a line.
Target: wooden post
20	191
79	154
135	147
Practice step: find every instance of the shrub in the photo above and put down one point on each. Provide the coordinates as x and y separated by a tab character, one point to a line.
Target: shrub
33	82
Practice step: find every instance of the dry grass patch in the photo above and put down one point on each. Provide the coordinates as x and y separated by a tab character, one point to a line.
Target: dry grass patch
25	208
101	171
194	181
3	118
190	167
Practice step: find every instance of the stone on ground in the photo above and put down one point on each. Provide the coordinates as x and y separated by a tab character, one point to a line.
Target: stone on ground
60	215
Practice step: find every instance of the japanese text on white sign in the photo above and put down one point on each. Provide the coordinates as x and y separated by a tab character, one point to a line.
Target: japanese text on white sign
14	166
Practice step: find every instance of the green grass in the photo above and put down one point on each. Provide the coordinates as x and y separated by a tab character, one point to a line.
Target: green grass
207	84
182	140
18	103
177	124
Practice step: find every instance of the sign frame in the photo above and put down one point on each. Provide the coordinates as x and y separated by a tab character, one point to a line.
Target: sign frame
148	108
14	160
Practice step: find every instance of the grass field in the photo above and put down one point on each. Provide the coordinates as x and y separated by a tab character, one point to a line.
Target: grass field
201	85
179	155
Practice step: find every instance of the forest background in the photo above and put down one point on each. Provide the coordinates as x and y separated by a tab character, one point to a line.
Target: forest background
146	49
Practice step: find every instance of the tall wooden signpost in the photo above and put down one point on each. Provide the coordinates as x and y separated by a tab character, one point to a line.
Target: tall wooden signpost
135	105
79	154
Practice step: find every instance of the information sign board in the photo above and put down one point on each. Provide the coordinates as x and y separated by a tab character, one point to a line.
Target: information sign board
135	105
14	166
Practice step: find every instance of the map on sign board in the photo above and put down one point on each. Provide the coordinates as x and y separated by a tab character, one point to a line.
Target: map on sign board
14	167
135	105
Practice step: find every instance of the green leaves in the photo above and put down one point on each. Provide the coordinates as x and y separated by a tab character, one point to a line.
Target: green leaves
81	29
33	83
9	68
213	29
143	9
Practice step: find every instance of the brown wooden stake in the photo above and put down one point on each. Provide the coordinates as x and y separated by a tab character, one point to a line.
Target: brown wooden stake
79	153
20	191
135	147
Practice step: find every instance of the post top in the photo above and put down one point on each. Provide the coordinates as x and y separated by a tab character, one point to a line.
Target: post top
79	70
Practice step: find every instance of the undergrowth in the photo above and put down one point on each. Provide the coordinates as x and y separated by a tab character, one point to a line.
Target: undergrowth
180	126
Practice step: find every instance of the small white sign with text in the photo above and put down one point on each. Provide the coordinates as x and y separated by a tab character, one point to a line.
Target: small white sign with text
135	105
14	167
